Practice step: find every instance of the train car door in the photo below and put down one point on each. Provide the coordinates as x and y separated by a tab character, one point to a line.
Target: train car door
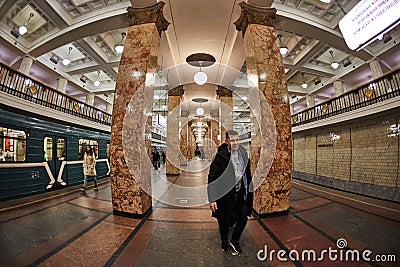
55	154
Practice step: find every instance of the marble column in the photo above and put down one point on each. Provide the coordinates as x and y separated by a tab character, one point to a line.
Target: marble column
191	141
215	130
89	99
173	132
210	144
310	101
184	141
131	122
225	110
26	65
338	88
62	85
376	68
266	72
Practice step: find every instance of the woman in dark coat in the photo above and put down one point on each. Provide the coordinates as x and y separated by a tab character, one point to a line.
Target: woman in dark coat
230	200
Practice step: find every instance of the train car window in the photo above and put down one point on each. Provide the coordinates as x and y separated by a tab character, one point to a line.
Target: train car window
48	149
12	145
108	151
82	144
61	149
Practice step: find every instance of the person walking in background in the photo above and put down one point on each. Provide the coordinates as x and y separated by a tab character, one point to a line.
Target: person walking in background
230	193
155	158
89	168
202	154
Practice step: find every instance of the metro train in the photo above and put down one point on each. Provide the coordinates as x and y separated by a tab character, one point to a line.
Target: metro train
38	154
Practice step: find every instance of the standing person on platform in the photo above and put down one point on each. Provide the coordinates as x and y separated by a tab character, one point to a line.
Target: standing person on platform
89	168
230	193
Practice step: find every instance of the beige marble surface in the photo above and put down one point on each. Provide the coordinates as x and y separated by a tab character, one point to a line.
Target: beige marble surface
129	161
263	60
173	146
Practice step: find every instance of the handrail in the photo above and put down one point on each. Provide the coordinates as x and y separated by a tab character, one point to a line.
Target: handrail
380	89
20	85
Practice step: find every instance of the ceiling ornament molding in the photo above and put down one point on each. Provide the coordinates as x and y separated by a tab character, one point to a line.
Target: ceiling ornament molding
177	91
222	91
150	14
255	15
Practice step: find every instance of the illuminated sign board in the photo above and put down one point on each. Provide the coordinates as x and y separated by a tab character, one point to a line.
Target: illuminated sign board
162	121
368	20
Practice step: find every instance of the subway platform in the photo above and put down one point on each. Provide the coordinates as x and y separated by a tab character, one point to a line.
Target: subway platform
323	227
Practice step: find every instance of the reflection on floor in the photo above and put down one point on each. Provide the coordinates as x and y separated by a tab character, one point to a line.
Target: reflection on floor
66	228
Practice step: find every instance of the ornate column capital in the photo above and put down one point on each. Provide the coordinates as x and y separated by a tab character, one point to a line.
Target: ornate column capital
177	91
255	15
150	14
222	91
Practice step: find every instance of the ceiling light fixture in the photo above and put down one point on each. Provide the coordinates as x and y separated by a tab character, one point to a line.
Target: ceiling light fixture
200	110
200	77
119	48
66	61
97	82
283	49
334	64
325	1
304	85
23	29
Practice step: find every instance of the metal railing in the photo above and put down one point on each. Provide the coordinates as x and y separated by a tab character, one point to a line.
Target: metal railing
383	88
18	84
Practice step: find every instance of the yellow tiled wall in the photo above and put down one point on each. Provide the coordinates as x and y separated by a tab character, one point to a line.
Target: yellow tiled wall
366	152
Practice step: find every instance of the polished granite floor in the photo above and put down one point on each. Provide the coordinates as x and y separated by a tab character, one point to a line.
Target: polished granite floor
67	228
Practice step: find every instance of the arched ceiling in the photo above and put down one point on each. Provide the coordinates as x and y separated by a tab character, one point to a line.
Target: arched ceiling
309	28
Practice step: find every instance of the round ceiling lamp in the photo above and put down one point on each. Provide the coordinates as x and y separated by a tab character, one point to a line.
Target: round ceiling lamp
282	48
200	60
200	78
119	47
23	28
200	110
66	61
334	64
97	82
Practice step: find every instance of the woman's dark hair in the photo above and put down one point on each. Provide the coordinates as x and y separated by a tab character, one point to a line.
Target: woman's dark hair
90	152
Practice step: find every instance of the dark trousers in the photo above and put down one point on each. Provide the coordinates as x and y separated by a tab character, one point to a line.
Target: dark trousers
241	221
155	164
